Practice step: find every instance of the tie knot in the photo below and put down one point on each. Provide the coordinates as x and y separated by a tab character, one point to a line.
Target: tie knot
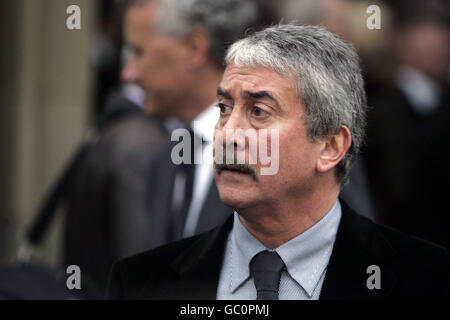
266	268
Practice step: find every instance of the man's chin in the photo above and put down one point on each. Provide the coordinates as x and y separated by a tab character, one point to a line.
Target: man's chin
235	189
236	198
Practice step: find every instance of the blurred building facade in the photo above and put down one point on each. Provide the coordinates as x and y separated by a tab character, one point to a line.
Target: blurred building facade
46	92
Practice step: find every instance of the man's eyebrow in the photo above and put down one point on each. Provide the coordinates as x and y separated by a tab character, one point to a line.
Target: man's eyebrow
260	95
223	93
253	95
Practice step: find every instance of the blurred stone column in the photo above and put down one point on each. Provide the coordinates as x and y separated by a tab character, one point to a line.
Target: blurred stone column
8	82
48	98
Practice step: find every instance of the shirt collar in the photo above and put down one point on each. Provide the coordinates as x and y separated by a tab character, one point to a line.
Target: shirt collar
421	91
306	256
205	123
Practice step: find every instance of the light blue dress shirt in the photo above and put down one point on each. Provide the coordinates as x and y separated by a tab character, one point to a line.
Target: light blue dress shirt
306	258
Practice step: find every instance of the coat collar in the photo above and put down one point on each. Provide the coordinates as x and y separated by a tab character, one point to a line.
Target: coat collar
198	267
357	246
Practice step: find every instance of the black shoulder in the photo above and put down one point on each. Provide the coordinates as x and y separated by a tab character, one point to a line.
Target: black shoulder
401	243
414	267
128	276
162	254
410	246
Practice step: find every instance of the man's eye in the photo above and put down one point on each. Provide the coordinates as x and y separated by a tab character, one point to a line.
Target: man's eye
224	109
258	112
137	52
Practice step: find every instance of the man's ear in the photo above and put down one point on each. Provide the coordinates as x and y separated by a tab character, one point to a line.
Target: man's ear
333	149
198	45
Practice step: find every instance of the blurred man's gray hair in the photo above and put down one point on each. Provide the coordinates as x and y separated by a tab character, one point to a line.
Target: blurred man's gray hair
327	76
225	21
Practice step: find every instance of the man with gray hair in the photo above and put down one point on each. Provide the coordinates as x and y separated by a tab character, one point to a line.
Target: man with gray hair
291	237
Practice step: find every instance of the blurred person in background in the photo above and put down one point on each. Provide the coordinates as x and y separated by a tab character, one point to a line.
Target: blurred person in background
106	206
107	217
331	14
408	127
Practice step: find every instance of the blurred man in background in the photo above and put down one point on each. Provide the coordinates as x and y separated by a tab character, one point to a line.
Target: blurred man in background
107	214
107	199
406	139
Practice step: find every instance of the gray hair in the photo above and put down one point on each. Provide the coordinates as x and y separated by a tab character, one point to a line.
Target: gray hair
327	75
224	20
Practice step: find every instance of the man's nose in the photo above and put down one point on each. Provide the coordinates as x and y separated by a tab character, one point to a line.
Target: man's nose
236	120
233	130
130	72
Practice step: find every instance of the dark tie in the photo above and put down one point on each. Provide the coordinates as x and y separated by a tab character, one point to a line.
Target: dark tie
266	268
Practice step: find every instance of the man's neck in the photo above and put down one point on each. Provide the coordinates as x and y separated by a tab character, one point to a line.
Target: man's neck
276	224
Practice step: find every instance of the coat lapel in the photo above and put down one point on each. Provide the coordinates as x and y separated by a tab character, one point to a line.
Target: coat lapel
198	268
357	247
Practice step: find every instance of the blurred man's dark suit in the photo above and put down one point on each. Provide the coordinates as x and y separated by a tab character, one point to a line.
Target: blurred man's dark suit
190	268
107	214
405	164
435	177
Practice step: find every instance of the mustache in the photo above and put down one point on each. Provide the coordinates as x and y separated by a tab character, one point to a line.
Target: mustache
242	168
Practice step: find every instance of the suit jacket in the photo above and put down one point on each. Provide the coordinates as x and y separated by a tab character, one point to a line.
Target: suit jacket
162	176
190	268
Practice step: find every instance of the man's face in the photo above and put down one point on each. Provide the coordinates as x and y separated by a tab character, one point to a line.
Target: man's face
157	62
259	98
